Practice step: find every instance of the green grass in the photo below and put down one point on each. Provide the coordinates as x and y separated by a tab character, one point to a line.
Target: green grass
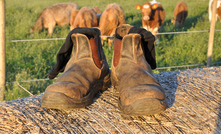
34	59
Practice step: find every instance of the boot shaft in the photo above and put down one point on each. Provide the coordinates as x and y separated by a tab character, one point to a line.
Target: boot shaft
84	48
128	49
141	44
81	43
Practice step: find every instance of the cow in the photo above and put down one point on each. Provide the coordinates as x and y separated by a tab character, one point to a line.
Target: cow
58	14
153	16
85	17
180	13
110	19
218	12
98	11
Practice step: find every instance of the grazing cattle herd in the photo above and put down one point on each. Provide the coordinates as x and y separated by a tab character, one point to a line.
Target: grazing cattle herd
153	16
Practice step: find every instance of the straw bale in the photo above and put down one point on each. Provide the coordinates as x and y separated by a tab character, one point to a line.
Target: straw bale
194	106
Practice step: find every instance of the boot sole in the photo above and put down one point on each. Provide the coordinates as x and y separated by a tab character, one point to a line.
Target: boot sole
56	100
147	106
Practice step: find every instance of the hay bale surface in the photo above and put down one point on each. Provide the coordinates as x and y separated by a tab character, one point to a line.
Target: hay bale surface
193	98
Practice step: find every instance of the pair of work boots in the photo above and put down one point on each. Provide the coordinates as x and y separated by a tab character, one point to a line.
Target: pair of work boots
85	72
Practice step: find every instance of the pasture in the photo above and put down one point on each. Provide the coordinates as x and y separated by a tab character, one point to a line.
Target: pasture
29	60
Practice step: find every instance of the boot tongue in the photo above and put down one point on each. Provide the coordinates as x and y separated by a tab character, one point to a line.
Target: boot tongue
147	41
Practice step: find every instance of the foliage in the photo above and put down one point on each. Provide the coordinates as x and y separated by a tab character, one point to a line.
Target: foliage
34	59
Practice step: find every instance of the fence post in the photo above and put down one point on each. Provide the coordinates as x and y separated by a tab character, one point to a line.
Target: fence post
2	49
211	34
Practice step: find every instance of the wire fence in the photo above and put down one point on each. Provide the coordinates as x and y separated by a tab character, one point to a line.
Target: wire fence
159	68
164	33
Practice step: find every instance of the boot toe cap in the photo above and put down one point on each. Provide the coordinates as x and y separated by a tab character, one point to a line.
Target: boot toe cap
65	95
142	100
139	92
70	89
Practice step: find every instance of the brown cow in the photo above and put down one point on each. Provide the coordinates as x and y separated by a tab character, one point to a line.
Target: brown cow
180	13
58	14
218	12
85	17
110	19
98	11
153	16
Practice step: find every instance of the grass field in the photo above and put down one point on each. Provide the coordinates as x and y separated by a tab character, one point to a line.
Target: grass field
34	59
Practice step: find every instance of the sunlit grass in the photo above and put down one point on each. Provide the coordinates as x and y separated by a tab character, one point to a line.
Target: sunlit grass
34	59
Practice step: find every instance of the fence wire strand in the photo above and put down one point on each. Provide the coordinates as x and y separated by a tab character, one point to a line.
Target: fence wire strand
164	33
160	68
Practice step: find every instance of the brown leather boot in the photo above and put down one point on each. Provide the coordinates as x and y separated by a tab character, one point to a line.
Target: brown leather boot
131	72
84	74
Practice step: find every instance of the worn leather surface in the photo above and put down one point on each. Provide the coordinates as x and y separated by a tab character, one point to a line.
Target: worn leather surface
85	67
132	74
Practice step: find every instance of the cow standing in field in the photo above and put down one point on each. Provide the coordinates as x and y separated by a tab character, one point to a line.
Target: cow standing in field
58	14
180	13
218	12
153	16
110	19
85	17
98	11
